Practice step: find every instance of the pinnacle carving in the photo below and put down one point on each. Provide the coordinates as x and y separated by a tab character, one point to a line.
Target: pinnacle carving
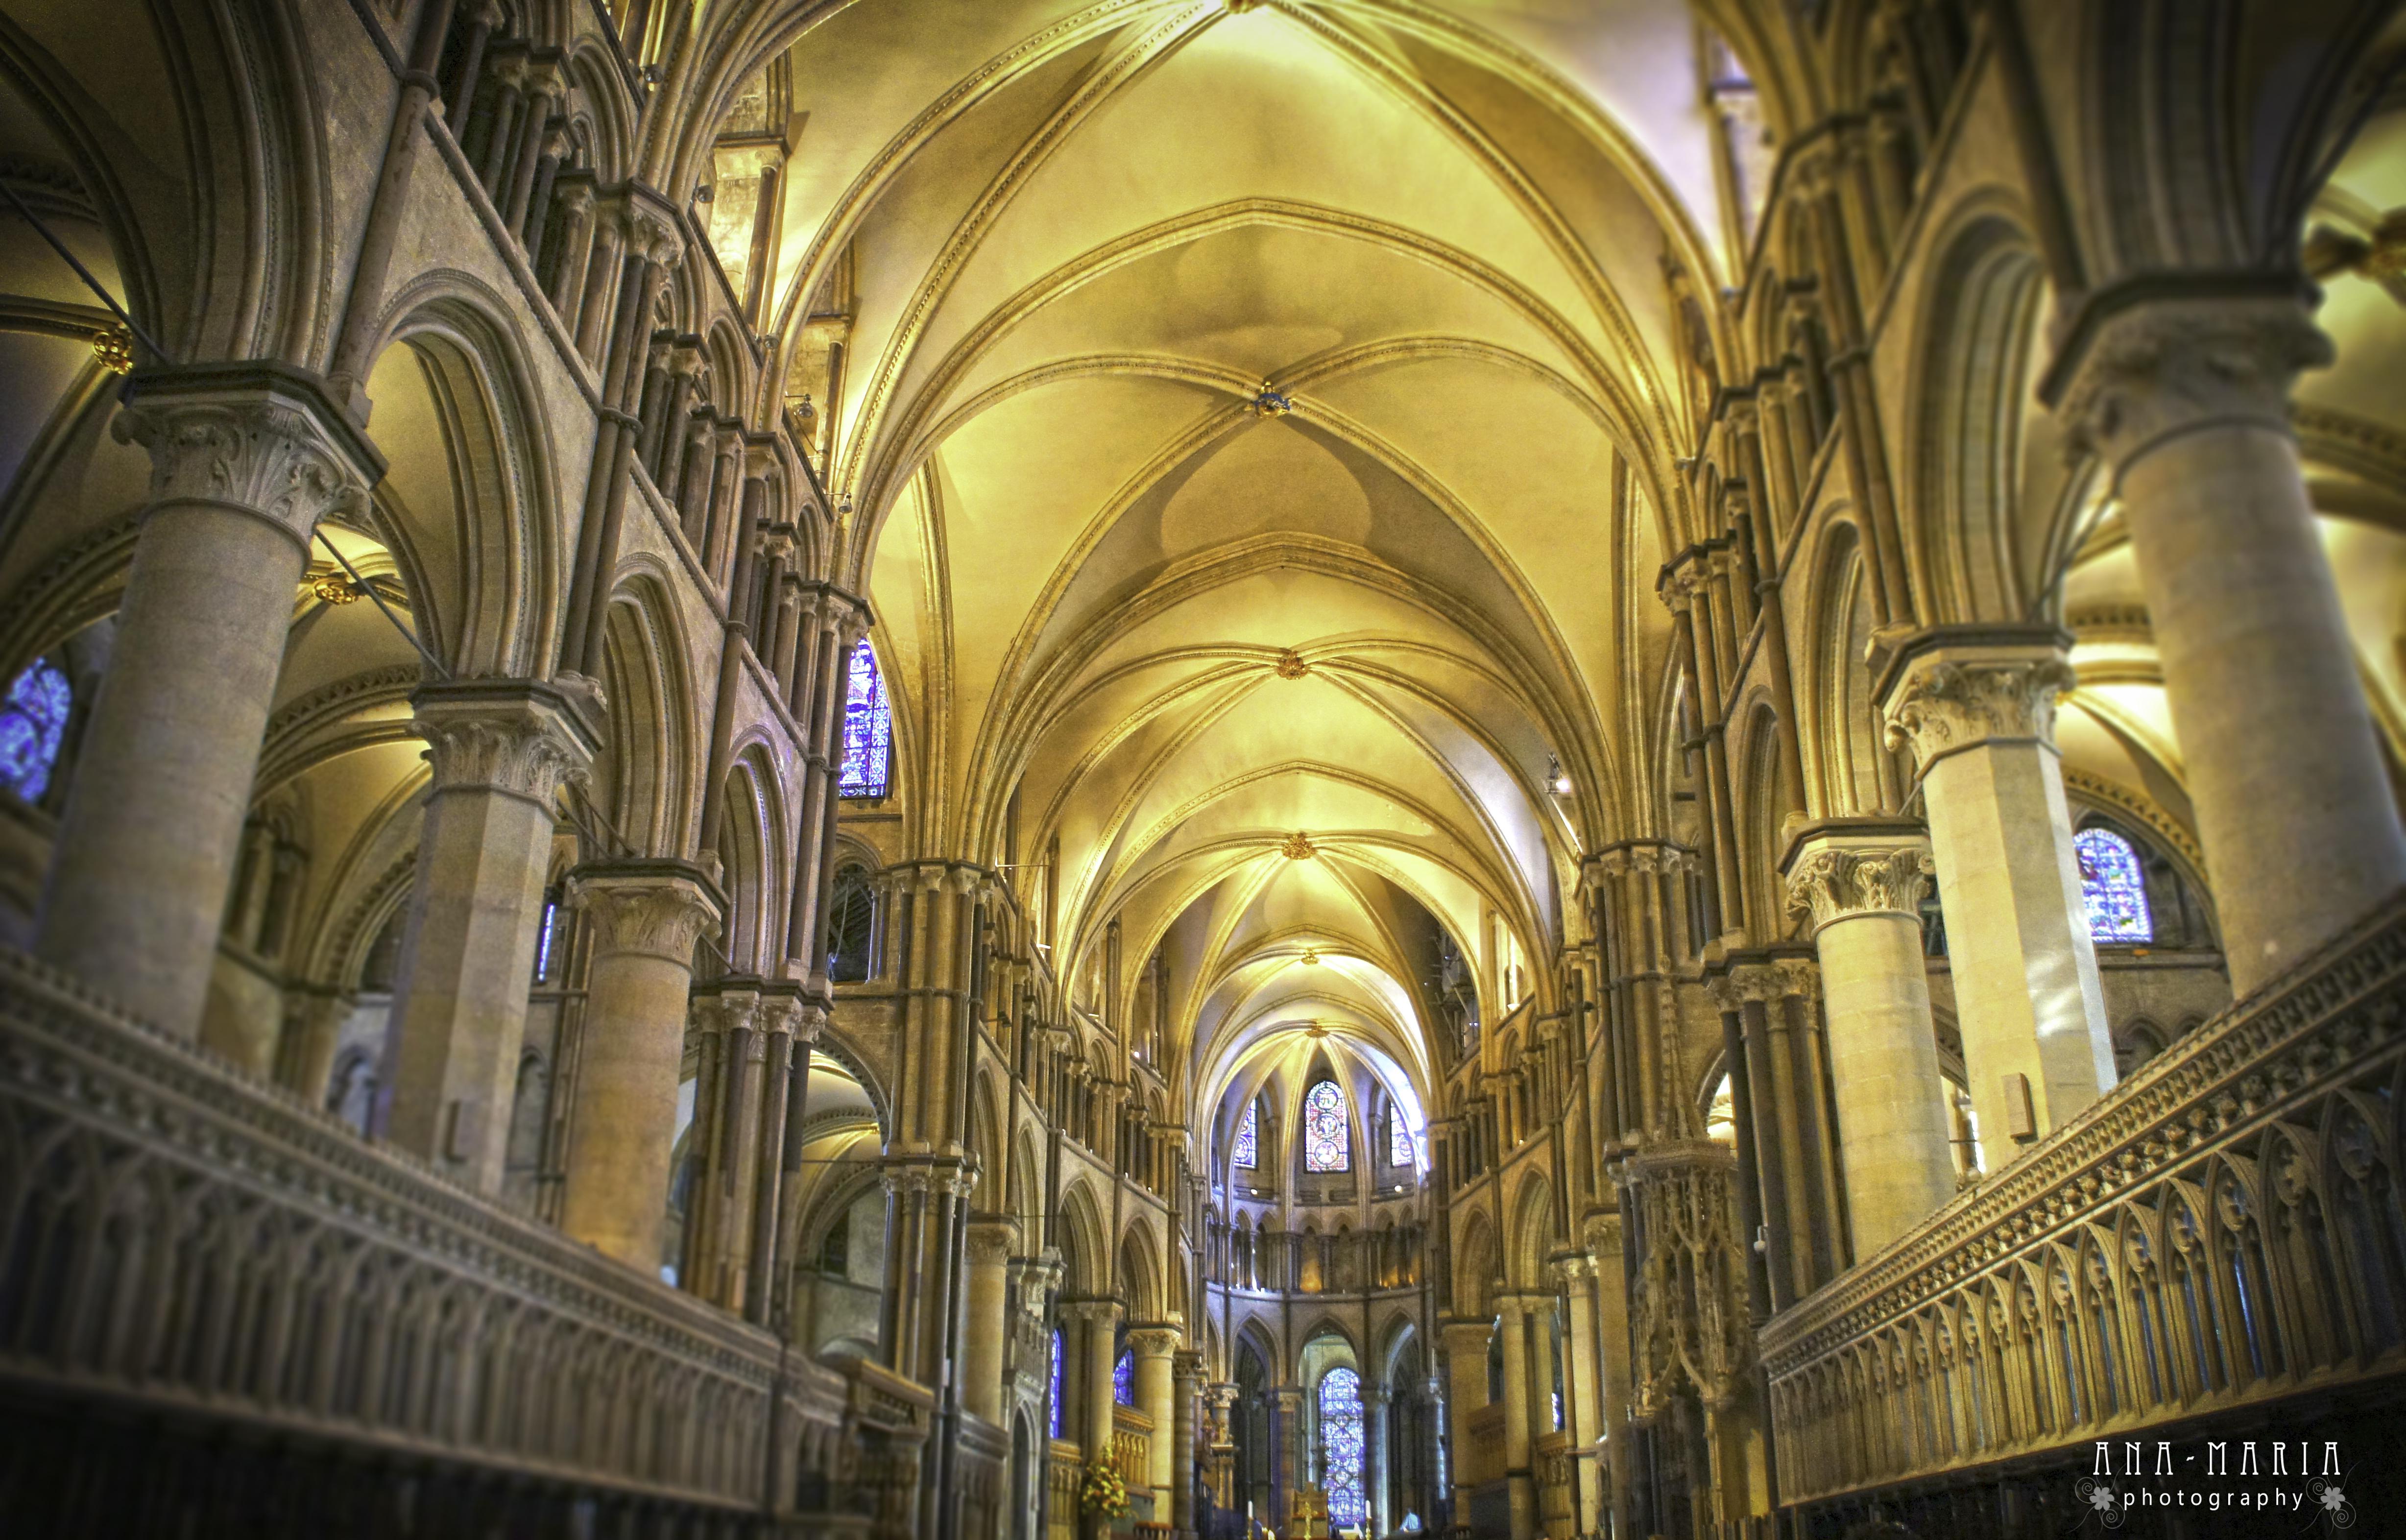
1945	704
2158	369
261	456
1837	883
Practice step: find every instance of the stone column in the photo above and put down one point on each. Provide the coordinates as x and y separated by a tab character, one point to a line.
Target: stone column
1520	1416
500	750
1582	1401
1101	1319
1862	879
2186	400
1286	1452
992	1238
1375	1474
1466	1371
1222	1398
645	917
1187	1367
1156	1390
245	459
1977	705
1603	1234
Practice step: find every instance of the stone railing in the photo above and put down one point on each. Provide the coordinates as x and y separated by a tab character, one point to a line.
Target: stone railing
981	1476
193	1246
1064	1470
1132	1457
2220	1232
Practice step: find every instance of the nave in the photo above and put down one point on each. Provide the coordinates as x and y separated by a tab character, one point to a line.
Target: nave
1200	767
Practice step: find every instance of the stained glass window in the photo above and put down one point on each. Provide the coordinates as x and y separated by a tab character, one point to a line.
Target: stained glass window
1123	1379
31	721
867	726
2113	887
1340	1434
1056	1382
1248	1137
1325	1147
1399	1139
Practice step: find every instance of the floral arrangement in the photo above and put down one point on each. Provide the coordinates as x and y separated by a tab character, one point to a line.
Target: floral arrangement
1103	1493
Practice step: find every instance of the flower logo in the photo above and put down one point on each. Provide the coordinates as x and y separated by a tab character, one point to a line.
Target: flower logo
2103	1501
2331	1501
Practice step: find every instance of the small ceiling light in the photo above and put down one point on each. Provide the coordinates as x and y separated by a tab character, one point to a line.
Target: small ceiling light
1557	778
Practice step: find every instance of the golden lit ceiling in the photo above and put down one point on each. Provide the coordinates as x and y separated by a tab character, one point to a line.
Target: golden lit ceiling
1252	416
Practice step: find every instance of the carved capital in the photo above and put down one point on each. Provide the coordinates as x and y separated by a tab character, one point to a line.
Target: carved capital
992	1238
504	735
725	1011
1839	876
1602	1232
260	439
650	234
1153	1341
1799	978
1941	697
1104	1313
655	909
2152	371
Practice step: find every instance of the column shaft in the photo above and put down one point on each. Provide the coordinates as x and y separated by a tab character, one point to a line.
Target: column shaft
2187	399
245	459
645	917
1978	707
500	750
1863	885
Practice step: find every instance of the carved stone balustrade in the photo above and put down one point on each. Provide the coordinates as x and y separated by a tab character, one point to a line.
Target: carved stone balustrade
205	1280
2212	1244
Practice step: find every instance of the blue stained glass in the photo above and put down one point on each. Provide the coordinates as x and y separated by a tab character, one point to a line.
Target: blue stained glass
1248	1137
1340	1434
1057	1383
868	728
1325	1146
1123	1379
1399	1141
2113	888
31	721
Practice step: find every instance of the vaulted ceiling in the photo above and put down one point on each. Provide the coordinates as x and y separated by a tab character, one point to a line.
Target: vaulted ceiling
1251	416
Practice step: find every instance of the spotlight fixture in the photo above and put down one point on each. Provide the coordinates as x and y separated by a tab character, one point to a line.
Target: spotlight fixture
1557	778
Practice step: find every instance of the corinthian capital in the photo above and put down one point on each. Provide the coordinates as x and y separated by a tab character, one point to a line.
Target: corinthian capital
655	909
1955	688
260	439
1154	1341
505	735
2151	370
1840	872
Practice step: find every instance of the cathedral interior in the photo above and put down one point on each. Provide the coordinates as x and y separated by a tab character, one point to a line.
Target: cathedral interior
1034	769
